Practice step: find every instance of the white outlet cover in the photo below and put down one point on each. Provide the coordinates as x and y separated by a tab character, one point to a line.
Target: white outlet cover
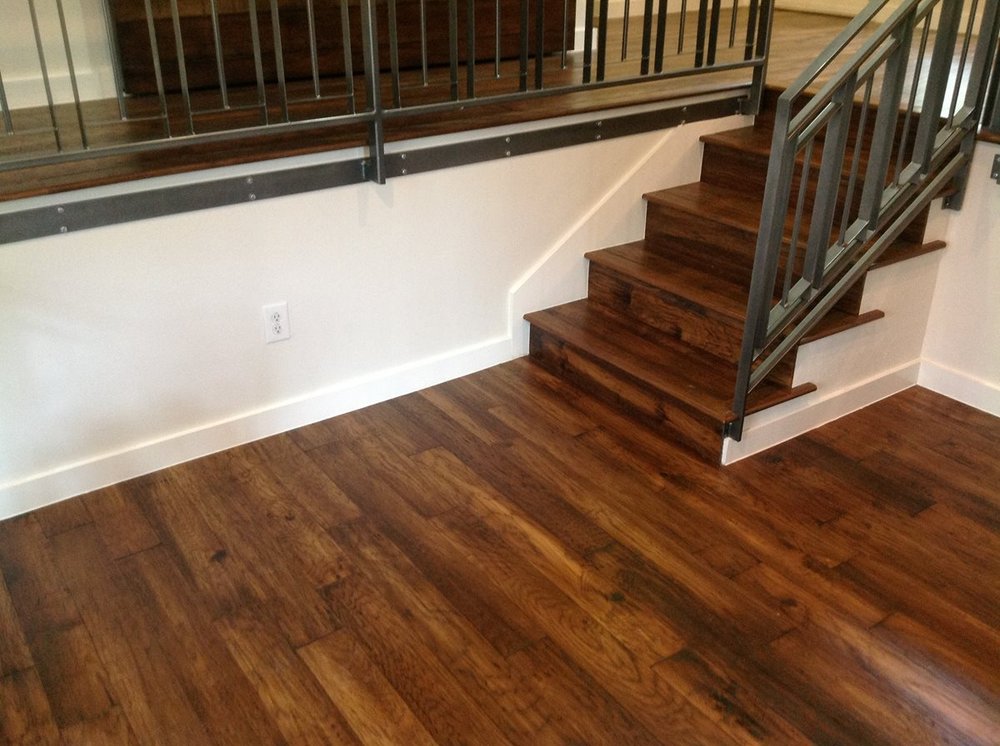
276	326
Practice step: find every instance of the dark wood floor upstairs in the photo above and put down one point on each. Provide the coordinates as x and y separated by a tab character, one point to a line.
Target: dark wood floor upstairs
502	559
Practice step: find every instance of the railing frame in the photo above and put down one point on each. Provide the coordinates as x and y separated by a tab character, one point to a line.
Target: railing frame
941	153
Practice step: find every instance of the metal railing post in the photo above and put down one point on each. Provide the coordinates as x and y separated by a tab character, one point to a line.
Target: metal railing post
376	127
938	74
764	18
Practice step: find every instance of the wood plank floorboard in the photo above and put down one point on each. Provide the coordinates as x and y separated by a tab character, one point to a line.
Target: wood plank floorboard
504	559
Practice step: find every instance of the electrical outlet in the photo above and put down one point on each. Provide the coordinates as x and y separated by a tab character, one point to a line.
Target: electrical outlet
276	326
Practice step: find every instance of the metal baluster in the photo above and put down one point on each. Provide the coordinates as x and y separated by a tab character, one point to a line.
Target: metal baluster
453	46
713	30
800	202
423	41
961	63
588	39
751	29
852	181
394	54
937	80
496	42
732	24
647	34
661	35
908	120
279	60
539	42
683	27
157	70
219	64
45	74
470	48
565	34
625	19
376	127
699	50
116	62
602	38
258	61
72	73
313	51
523	62
175	16
8	123
345	35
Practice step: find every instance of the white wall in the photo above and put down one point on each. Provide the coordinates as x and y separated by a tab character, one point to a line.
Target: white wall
962	348
131	347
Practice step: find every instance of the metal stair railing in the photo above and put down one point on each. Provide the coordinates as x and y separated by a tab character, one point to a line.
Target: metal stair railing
861	171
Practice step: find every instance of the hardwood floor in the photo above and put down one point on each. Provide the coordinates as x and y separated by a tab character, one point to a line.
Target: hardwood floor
503	559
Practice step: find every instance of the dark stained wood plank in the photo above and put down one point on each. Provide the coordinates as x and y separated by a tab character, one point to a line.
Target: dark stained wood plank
62	516
110	728
122	525
27	717
14	653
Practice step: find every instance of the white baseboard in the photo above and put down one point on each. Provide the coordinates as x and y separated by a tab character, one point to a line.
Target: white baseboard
784	422
46	488
960	386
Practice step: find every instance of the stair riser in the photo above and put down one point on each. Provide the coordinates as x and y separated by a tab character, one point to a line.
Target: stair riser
682	318
652	407
666	225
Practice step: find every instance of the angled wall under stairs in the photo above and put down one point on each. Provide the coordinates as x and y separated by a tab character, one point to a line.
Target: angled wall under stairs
660	330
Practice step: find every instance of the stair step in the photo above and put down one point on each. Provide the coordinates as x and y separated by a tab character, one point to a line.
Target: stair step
721	217
664	381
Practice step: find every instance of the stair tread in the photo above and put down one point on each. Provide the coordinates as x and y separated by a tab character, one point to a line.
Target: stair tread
709	283
727	205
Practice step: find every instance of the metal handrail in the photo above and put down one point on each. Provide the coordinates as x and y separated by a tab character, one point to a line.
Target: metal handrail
847	211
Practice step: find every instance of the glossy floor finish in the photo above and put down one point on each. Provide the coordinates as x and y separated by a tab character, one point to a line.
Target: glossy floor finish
502	559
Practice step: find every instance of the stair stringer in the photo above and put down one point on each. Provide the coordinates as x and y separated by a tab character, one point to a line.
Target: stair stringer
856	367
560	274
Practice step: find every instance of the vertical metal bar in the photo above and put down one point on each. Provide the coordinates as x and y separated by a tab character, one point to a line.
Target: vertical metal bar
986	50
114	52
376	128
279	59
661	35
937	80
991	104
828	179
908	119
732	23
647	36
699	49
72	73
625	23
762	53
453	46
46	83
523	61
713	31
852	181
565	35
539	43
963	56
394	54
682	27
8	123
496	41
345	35
800	203
220	67
602	39
157	70
423	41
313	51
588	39
175	16
470	48
884	133
258	62
751	29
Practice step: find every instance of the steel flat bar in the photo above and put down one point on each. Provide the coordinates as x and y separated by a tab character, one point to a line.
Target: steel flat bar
46	83
279	60
394	54
220	66
963	56
376	124
701	34
852	180
453	46
647	37
938	71
588	40
800	203
71	69
751	29
661	35
910	107
345	35
523	46
175	17
258	62
470	48
732	23
423	40
602	39
313	51
496	40
626	13
157	71
539	43
986	50
682	27
713	31
116	61
564	48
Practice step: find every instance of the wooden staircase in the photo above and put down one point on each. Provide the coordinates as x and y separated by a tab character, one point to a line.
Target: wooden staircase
659	333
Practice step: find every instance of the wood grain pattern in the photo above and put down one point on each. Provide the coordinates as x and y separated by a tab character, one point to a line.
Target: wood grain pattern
579	579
